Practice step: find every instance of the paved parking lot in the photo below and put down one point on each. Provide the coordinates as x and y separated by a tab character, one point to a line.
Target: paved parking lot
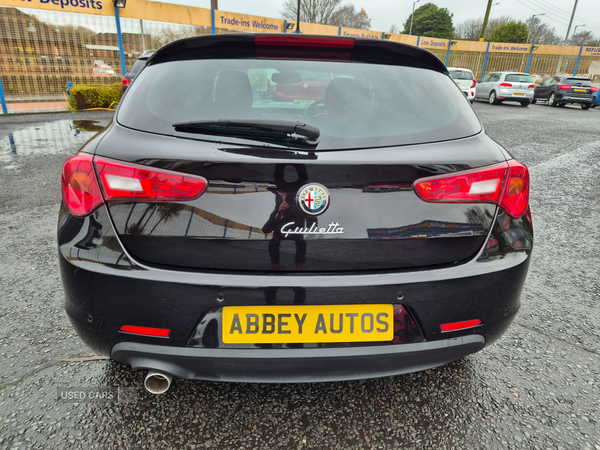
537	388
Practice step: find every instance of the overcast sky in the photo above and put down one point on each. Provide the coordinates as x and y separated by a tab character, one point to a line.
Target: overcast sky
384	13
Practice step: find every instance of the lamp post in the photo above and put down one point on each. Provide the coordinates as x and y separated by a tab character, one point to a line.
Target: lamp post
412	17
531	23
575	30
120	4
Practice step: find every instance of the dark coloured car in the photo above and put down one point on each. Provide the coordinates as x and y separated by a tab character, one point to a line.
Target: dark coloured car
560	90
136	68
213	232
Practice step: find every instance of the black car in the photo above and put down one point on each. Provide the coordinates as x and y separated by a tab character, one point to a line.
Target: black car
136	68
214	233
562	89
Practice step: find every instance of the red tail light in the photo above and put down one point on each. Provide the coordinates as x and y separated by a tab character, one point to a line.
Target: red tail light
474	84
505	184
126	181
126	81
83	190
564	86
531	86
506	84
304	47
593	89
304	41
80	190
515	199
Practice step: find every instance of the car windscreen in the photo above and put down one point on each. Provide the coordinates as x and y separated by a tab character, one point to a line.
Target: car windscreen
461	75
519	78
578	81
354	105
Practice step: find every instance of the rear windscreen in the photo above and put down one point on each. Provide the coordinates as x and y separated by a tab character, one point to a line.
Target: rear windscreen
461	75
578	81
354	105
519	78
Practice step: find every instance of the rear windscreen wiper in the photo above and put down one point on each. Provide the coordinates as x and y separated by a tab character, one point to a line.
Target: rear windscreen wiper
279	131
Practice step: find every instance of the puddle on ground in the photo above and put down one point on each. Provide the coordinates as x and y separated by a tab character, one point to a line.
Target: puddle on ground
52	138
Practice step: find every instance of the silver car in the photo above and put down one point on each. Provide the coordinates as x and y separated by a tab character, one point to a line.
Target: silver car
498	87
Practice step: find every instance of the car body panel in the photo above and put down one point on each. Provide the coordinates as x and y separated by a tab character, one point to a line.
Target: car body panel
175	265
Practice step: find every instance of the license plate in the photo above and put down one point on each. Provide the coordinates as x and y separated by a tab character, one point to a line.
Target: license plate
307	324
579	90
519	95
303	100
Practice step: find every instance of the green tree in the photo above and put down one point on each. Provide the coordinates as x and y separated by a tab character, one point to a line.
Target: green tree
511	32
431	21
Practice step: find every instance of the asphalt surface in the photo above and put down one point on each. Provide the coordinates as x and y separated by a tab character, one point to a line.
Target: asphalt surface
536	388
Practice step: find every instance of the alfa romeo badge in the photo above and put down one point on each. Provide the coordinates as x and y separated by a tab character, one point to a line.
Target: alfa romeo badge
313	199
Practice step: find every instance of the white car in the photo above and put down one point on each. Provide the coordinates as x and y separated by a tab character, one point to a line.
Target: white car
465	80
501	87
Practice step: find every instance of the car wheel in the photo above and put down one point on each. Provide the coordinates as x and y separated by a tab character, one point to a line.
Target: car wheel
493	100
533	101
525	104
552	99
586	106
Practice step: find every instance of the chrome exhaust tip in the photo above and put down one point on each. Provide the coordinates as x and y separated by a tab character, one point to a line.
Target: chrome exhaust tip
157	382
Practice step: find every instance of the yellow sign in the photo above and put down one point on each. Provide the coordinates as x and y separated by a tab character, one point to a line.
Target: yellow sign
307	324
97	7
590	51
510	48
428	42
353	32
233	21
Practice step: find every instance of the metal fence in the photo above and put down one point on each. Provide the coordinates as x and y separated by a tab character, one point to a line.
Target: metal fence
42	50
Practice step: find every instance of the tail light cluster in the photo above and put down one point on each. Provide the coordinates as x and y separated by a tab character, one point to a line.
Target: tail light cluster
126	81
505	84
594	89
505	184
474	84
565	87
88	182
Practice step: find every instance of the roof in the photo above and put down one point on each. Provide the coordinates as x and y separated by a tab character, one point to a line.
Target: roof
239	45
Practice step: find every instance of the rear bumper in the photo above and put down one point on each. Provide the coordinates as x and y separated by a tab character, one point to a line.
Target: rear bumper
506	95
106	288
571	99
295	365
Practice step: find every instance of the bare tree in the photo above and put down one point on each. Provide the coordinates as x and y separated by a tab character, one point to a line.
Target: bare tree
173	32
348	16
394	29
470	30
583	38
312	11
542	33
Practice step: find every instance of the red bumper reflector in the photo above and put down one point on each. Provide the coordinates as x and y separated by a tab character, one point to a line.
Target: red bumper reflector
455	326
145	331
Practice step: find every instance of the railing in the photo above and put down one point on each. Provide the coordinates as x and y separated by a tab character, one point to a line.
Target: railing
43	48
